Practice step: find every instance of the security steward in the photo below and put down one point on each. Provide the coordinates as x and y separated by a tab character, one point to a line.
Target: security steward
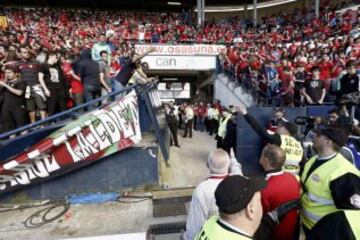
337	226
283	137
221	133
240	211
329	181
172	123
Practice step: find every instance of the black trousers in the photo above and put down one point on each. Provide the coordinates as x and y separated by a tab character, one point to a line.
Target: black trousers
214	125
13	117
188	128
173	134
56	102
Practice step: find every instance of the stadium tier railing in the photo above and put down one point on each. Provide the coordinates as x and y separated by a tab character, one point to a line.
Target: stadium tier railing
72	113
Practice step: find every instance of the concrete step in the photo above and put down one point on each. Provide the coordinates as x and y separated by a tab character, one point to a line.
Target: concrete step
171	202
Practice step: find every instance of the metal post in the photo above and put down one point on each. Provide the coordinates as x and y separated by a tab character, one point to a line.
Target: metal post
202	12
317	7
198	6
255	13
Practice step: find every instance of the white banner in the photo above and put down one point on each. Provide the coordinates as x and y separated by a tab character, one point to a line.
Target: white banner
181	62
181	49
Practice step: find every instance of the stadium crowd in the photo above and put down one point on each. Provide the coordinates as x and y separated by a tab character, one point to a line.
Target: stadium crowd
56	59
52	60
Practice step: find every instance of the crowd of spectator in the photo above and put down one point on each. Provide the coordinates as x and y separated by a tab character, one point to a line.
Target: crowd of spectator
296	59
66	57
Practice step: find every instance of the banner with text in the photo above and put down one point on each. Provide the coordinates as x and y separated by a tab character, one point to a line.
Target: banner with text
90	138
181	62
181	49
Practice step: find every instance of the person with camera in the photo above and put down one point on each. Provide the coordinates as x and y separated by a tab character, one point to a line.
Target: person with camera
329	182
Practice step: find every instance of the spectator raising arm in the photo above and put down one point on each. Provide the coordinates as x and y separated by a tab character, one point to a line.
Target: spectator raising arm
270	138
139	57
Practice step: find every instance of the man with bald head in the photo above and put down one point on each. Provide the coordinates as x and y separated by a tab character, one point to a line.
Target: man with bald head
203	204
281	188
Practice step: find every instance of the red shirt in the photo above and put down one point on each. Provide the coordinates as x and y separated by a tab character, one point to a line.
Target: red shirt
76	86
325	68
201	111
281	188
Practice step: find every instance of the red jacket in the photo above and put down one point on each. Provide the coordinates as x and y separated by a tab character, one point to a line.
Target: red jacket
281	188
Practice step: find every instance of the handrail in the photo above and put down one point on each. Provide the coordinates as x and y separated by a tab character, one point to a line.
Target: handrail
233	92
64	113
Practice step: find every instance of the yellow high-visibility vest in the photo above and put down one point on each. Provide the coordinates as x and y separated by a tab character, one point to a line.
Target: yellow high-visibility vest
316	199
213	231
353	218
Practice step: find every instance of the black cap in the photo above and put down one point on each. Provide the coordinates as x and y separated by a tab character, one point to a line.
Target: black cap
235	192
337	135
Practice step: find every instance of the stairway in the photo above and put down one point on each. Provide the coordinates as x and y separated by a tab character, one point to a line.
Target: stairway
229	93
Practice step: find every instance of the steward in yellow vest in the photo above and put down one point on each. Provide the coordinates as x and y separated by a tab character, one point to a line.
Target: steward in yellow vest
284	138
214	228
221	133
339	225
241	218
238	199
329	182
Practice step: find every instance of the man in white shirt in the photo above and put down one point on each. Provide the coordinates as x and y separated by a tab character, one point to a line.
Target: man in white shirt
203	204
189	117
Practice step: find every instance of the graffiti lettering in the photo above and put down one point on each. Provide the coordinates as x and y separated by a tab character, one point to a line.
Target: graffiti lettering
78	141
27	172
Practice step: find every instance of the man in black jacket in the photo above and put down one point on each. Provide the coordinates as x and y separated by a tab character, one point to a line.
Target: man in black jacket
172	123
90	76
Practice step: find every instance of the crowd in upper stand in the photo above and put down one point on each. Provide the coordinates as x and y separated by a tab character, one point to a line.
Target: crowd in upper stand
287	59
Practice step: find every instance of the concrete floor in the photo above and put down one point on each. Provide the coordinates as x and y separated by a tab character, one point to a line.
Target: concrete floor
187	167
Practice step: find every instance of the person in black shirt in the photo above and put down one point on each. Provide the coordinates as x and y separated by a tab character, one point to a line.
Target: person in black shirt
13	105
314	89
128	67
172	123
349	84
52	75
300	76
89	72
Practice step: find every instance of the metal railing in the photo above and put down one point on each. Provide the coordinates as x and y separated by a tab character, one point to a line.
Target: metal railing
72	113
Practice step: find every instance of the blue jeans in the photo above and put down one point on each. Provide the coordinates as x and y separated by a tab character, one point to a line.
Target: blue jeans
117	87
200	125
91	92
